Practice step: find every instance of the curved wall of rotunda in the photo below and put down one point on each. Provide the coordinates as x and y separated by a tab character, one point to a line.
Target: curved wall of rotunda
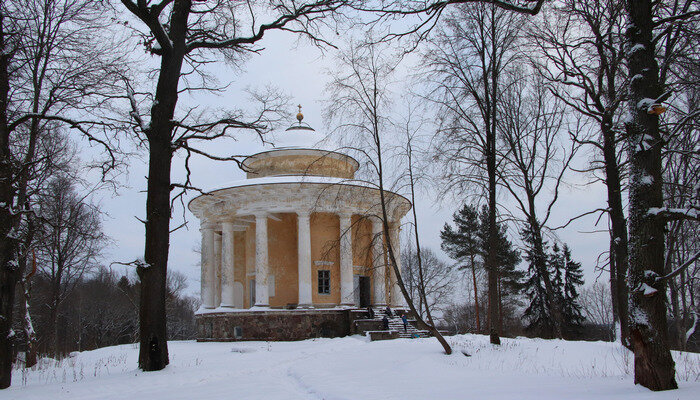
310	162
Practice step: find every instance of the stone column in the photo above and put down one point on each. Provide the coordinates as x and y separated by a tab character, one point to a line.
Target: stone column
304	257
397	299
261	261
227	264
208	265
346	283
378	266
217	269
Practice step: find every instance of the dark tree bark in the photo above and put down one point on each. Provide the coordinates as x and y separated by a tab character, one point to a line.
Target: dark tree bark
476	296
153	349
9	269
654	367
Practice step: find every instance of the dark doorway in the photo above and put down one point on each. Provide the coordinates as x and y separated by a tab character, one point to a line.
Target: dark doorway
365	290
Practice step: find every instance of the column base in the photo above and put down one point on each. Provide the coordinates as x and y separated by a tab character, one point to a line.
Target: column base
260	307
348	305
227	306
307	306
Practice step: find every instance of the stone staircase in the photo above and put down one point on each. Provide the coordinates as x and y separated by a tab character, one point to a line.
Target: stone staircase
396	329
396	324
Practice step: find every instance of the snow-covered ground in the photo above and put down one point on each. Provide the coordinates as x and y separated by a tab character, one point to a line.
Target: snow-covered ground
354	368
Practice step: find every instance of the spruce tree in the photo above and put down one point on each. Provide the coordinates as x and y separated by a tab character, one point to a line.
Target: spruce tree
555	265
462	242
573	279
467	243
510	279
539	320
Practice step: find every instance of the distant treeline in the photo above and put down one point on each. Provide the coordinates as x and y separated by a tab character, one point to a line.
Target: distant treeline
100	309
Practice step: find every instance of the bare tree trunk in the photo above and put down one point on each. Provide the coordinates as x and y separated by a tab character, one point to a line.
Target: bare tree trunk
476	296
618	232
153	350
9	271
654	367
492	252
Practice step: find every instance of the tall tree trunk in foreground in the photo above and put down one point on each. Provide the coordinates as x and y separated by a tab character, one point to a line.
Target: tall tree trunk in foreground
654	367
618	232
9	269
153	349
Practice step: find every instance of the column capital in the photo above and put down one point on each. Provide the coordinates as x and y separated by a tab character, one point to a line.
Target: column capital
205	225
377	224
261	215
303	213
228	220
345	214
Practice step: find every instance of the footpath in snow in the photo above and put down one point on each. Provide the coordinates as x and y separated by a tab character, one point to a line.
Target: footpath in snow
354	368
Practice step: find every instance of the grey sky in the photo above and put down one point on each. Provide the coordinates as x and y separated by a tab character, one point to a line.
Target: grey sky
299	71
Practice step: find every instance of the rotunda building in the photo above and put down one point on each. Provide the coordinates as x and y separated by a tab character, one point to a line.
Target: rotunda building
290	251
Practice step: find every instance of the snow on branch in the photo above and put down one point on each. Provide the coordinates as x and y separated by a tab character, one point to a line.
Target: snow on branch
680	269
673	214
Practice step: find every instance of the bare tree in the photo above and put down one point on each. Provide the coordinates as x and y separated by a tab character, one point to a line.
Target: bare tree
51	73
467	60
437	281
596	304
580	46
361	95
680	71
182	34
536	156
70	243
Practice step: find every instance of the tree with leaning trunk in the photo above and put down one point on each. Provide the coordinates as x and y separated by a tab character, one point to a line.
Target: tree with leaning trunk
361	95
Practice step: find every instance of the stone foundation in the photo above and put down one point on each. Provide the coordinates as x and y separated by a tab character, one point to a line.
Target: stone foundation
275	325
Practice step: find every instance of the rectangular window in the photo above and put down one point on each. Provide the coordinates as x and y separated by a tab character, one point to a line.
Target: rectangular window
324	281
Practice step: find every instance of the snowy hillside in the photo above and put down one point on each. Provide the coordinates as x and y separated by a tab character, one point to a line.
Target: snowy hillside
353	368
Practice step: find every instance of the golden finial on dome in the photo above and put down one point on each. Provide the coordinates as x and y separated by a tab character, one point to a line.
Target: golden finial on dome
301	126
300	116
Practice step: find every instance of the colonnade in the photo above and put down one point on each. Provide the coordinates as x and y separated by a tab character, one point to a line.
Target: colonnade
218	266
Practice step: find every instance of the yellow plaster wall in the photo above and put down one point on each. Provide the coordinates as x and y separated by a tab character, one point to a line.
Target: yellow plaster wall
362	248
283	256
283	259
325	231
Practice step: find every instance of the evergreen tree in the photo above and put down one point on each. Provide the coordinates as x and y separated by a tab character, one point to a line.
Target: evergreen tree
510	279
462	243
468	243
573	279
539	320
556	265
566	276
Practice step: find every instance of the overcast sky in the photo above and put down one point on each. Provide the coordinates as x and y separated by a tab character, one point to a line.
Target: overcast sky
300	70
